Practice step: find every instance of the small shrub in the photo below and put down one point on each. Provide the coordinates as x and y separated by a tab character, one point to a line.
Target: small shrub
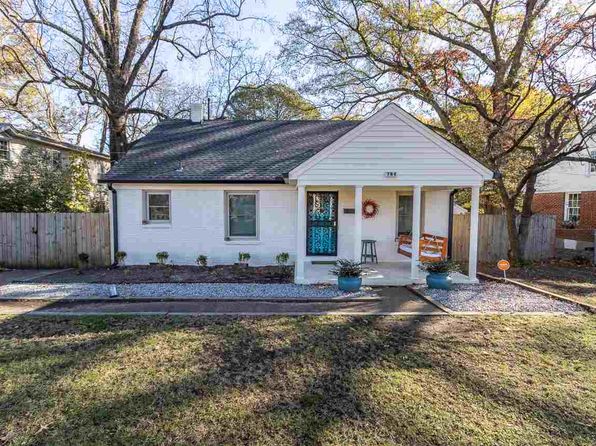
282	261
202	260
162	257
282	258
83	259
243	257
440	267
347	268
119	257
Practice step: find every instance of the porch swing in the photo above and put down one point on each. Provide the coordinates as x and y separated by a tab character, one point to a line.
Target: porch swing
432	248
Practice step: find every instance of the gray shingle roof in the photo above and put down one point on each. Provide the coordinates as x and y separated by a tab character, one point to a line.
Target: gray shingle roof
225	151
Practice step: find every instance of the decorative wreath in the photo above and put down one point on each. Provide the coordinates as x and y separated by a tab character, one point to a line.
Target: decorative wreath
370	208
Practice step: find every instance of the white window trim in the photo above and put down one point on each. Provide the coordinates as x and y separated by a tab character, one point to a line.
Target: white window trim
227	235
7	149
146	194
592	166
566	208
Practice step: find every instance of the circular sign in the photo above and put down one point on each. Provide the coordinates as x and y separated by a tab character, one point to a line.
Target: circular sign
503	265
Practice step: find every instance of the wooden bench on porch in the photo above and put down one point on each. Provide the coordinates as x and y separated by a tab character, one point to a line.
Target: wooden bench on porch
432	248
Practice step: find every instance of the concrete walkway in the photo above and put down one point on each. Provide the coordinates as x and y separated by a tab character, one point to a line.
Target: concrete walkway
394	300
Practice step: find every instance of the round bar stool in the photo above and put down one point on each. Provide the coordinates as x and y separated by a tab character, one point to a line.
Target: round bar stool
369	251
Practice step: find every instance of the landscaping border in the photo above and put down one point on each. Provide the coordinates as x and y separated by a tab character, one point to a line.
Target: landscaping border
429	300
588	307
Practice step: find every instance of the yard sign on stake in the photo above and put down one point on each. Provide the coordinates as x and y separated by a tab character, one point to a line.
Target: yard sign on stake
503	265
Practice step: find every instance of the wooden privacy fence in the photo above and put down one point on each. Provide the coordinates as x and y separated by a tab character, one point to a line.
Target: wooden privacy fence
34	240
493	239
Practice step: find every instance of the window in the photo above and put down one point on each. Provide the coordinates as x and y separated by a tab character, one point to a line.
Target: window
242	215
157	207
593	165
4	150
572	202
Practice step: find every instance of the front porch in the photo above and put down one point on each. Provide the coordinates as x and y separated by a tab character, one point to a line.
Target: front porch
331	226
381	274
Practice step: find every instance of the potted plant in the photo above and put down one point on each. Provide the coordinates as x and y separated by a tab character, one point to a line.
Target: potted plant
438	273
349	275
243	258
282	261
202	260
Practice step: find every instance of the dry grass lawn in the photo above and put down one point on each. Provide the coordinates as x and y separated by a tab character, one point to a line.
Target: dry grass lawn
311	380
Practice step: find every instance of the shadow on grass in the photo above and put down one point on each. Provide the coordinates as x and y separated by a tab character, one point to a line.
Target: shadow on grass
306	369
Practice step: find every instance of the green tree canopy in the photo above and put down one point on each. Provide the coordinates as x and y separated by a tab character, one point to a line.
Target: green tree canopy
273	102
34	183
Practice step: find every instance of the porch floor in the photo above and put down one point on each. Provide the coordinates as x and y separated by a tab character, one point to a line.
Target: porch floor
381	274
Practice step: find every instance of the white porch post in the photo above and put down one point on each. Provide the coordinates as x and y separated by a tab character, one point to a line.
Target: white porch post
357	222
416	232
300	235
473	254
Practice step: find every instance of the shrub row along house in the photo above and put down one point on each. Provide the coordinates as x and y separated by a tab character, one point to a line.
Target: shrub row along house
568	191
221	187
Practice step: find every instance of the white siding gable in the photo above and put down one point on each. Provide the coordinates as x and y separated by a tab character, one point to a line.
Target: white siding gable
391	141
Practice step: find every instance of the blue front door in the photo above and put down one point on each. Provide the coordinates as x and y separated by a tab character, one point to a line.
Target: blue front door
321	224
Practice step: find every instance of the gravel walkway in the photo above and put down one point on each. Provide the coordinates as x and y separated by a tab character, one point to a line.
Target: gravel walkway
190	290
493	296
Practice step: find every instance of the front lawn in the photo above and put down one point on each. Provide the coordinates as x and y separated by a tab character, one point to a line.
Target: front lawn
557	276
310	380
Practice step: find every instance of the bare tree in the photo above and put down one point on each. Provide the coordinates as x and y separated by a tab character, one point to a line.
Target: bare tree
106	50
508	81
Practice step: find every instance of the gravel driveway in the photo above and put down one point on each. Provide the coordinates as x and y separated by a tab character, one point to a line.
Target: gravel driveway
494	296
213	290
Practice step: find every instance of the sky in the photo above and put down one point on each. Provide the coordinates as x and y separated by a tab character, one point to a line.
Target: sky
262	35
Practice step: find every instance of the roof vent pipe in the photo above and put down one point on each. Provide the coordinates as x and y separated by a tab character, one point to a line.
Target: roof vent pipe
196	112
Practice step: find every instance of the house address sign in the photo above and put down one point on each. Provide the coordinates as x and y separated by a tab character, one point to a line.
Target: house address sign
390	174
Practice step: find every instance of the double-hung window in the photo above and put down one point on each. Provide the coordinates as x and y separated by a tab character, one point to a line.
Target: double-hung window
593	165
4	150
242	219
572	205
157	207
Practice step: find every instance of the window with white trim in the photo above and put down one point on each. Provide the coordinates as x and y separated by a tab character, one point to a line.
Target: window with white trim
572	204
157	207
593	165
242	215
4	150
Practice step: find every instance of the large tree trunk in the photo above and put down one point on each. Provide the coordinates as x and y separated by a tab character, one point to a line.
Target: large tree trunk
526	215
118	139
514	252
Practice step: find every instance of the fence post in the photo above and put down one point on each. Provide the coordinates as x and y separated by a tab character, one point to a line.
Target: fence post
594	249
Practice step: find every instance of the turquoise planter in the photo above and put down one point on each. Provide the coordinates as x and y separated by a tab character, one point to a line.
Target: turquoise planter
350	284
441	281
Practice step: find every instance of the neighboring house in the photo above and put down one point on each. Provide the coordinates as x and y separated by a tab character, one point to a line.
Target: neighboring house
13	141
568	190
222	187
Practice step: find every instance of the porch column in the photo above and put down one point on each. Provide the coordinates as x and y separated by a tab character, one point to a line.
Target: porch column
357	223
300	235
416	232
473	254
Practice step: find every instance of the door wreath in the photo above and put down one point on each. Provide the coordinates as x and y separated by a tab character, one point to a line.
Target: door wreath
370	208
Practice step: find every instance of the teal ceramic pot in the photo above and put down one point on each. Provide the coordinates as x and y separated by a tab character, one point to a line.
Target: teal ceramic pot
441	281
350	284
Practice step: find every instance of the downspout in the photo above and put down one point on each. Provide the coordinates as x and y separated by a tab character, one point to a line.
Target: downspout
114	216
450	227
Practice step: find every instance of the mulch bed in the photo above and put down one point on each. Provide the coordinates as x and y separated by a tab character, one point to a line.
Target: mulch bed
568	278
174	274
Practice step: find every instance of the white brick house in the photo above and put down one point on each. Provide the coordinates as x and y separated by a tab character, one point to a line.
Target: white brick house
222	187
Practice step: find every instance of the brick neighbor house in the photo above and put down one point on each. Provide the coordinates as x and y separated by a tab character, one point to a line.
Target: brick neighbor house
568	190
